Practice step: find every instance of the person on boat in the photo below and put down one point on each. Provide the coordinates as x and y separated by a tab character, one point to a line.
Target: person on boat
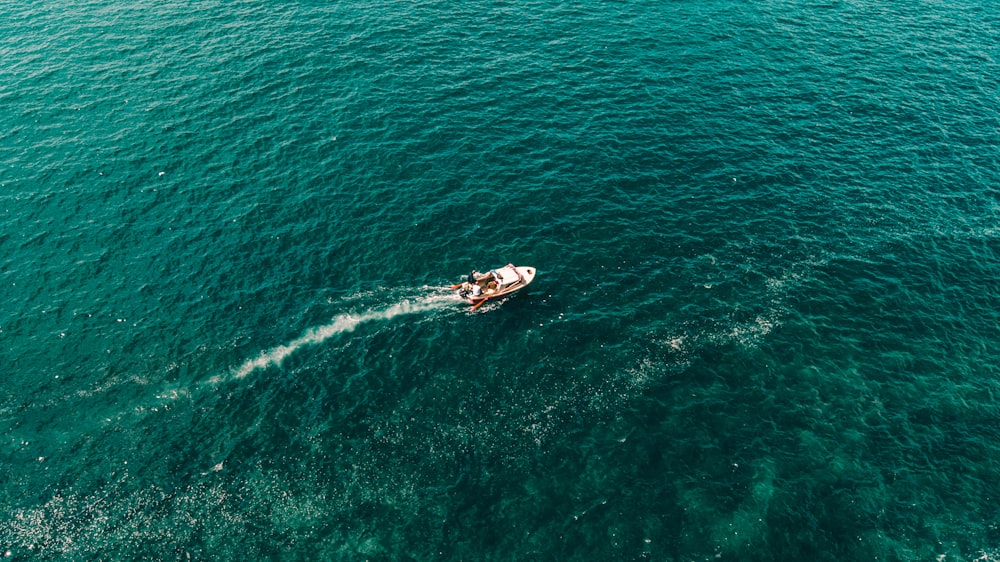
473	277
490	280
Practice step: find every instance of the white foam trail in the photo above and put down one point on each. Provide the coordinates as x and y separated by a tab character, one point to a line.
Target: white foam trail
341	324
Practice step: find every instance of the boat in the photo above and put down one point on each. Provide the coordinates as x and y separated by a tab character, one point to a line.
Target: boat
500	282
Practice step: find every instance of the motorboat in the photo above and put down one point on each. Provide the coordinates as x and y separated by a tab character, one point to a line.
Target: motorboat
500	282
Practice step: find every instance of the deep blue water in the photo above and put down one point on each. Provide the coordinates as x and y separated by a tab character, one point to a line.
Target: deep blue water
764	325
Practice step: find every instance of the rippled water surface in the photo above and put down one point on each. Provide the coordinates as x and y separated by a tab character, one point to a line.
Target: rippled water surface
764	325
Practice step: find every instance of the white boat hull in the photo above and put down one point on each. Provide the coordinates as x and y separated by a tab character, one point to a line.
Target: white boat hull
511	280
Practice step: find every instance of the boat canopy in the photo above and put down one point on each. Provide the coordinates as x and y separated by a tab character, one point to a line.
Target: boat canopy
507	275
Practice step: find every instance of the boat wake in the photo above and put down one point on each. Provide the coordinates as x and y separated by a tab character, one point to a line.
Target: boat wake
341	324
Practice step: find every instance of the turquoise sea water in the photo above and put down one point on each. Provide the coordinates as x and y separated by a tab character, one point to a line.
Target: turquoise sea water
764	325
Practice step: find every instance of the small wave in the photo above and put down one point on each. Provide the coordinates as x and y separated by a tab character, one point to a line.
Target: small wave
341	324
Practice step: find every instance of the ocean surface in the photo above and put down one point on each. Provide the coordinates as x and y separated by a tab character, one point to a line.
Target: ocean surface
765	324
